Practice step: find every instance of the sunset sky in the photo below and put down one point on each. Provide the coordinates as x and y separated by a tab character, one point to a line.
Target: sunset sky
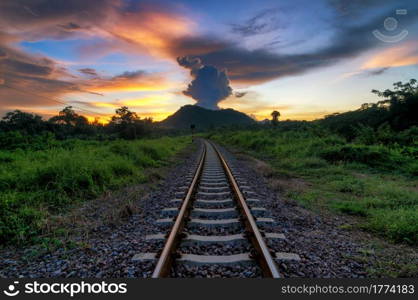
304	58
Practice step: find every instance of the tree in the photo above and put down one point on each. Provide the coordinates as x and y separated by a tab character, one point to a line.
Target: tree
127	124
275	117
69	117
125	116
19	120
403	104
69	123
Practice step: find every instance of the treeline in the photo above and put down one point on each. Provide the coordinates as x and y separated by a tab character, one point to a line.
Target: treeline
21	129
392	120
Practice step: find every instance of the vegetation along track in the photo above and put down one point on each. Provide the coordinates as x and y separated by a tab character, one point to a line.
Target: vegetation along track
218	230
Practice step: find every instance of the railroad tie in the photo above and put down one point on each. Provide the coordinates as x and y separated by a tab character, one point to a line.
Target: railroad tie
219	222
214	210
170	211
273	235
176	200
252	200
214	184
214	238
216	189
265	220
258	209
285	256
213	194
215	259
223	201
164	221
157	236
140	257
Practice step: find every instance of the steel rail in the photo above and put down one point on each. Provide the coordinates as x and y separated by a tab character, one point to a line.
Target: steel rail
264	257
165	260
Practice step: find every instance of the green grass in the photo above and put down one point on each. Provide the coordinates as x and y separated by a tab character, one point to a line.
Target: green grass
375	182
37	183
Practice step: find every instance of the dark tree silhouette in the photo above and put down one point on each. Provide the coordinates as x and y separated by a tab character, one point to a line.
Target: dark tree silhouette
275	117
128	124
22	121
69	117
402	102
124	116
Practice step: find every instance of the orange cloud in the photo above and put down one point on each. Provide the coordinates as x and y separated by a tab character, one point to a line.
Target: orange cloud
404	55
129	81
152	30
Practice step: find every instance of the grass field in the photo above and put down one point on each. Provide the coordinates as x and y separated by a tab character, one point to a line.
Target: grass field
375	182
35	184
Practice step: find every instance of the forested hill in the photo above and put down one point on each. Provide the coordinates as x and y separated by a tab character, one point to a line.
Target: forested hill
204	118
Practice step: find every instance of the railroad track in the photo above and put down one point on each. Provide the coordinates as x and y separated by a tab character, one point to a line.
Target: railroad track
217	227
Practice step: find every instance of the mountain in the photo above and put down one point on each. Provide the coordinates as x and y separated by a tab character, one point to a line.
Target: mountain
204	118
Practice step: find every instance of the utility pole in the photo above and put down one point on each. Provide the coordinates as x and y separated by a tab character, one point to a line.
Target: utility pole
192	127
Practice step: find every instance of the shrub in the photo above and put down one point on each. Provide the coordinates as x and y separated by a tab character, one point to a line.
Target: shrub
351	208
374	156
350	185
6	157
399	225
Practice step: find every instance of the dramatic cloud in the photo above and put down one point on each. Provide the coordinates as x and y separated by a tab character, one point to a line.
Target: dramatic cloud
209	85
167	31
260	65
33	20
192	63
32	80
29	80
265	21
89	72
153	31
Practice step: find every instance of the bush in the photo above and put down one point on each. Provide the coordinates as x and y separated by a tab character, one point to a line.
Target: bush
374	156
351	208
13	140
6	157
399	225
350	185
